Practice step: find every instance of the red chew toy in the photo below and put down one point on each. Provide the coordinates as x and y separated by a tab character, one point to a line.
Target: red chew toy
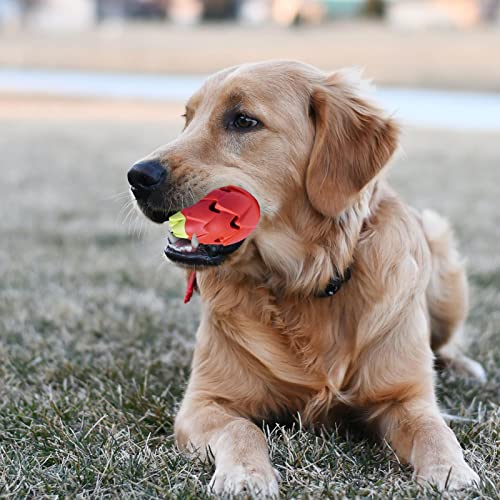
223	217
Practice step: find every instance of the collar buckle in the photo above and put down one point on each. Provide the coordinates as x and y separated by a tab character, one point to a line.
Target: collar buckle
335	284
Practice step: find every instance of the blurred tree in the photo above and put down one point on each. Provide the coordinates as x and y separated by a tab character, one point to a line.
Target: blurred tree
25	8
375	8
152	9
489	10
220	9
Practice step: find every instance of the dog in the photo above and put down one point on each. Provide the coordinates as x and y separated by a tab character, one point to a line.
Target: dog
284	331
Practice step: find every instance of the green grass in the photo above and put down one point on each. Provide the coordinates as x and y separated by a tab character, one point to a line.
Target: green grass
95	343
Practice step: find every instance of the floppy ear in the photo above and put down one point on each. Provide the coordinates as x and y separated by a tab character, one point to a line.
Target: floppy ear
353	141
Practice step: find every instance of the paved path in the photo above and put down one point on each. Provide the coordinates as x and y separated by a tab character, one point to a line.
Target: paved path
433	58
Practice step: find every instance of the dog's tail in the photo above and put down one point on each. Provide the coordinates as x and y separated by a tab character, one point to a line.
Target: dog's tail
447	296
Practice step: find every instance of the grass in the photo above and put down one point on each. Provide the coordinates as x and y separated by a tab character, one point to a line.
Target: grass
95	343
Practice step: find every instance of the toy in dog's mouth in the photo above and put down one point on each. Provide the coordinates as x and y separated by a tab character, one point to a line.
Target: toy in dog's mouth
206	233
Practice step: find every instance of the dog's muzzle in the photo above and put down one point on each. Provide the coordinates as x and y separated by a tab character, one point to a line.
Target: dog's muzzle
147	179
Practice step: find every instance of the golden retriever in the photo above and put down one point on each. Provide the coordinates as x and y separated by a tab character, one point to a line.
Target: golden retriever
283	329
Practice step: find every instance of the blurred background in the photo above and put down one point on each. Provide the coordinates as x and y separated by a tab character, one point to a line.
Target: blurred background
161	50
95	343
82	13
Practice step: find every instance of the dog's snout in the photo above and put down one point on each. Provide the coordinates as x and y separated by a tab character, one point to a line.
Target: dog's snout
146	174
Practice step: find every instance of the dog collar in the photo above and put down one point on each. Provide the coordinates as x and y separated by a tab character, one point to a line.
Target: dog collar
335	284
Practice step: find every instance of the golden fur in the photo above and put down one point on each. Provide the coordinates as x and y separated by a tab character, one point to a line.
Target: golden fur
267	347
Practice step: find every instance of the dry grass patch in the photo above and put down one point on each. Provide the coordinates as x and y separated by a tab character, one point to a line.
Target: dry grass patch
95	343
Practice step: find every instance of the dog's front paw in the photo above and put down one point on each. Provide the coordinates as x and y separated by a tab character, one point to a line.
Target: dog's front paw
234	479
451	477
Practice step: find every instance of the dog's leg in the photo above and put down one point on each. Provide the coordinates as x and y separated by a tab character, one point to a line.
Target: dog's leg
399	379
236	444
447	298
418	434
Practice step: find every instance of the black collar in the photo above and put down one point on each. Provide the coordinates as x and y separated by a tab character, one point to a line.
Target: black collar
335	284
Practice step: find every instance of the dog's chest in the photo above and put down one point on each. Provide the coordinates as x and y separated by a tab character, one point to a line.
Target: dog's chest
293	353
310	358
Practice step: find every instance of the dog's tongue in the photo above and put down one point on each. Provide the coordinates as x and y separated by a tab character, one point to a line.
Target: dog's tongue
191	285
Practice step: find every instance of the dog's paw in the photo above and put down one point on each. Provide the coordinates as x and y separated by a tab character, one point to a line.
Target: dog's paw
450	477
461	365
255	481
471	369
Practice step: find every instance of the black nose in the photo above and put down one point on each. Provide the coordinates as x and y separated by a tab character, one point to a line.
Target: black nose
146	174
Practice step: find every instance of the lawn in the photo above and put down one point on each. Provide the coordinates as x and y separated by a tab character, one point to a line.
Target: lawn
95	343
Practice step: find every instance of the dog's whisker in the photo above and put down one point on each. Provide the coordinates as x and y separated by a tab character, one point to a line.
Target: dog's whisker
117	196
138	224
143	228
191	194
129	217
126	206
134	225
127	210
140	227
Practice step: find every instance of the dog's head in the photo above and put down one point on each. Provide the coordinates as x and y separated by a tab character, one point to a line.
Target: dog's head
303	142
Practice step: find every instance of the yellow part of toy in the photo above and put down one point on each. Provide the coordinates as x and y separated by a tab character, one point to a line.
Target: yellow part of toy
177	224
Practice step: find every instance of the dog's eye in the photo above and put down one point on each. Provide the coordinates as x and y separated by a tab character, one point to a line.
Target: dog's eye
244	121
